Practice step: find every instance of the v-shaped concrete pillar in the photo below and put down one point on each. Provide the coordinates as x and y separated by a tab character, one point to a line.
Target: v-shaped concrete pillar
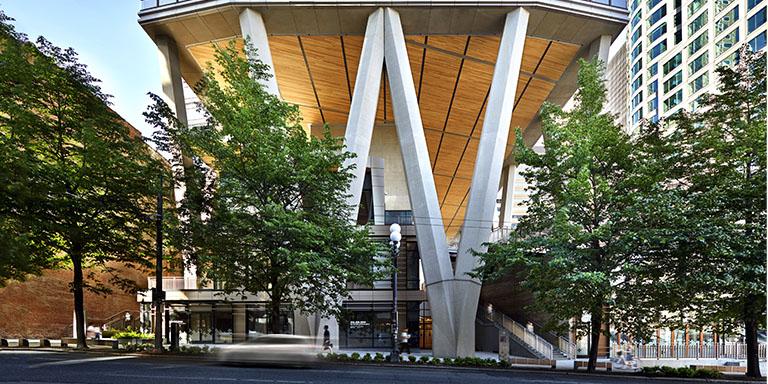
478	218
452	297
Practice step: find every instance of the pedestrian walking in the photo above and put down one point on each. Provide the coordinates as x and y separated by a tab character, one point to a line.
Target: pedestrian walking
404	337
327	345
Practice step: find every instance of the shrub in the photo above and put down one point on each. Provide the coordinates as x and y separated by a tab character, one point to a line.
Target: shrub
367	357
412	358
423	359
448	361
342	357
503	364
378	357
107	334
707	374
685	372
354	356
435	361
132	334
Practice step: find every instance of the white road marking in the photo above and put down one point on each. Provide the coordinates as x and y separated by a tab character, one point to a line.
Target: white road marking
81	361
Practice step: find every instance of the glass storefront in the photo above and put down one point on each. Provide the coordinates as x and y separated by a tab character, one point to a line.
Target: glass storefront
370	326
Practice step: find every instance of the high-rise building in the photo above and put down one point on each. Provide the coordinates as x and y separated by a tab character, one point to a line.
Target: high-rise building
431	132
617	76
675	46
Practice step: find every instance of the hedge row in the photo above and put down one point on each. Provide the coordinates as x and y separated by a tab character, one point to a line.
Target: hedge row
666	371
423	360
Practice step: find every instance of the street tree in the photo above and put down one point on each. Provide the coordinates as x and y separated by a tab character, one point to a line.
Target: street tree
81	184
264	210
702	234
568	246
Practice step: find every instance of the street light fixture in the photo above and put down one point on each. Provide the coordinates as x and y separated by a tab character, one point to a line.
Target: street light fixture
394	242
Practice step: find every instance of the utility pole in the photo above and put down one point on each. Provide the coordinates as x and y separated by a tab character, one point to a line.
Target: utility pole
157	294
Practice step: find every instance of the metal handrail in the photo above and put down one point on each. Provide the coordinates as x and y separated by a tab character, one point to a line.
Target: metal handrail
499	234
536	342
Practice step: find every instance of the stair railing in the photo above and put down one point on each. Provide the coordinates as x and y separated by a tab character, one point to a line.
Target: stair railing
534	341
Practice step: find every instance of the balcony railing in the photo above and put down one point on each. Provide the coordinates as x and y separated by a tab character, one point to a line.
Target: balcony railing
174	283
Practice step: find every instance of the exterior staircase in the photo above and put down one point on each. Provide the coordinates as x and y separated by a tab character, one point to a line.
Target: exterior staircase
534	343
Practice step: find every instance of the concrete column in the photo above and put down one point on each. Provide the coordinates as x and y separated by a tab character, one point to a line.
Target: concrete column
507	195
170	76
239	323
485	180
253	30
173	95
377	184
362	110
600	47
433	246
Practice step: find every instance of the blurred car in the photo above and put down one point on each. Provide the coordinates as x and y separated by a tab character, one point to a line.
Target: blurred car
283	350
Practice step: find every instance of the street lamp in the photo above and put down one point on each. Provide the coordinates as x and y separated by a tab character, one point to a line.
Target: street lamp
394	242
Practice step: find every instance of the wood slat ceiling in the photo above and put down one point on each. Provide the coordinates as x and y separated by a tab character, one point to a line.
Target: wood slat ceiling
452	76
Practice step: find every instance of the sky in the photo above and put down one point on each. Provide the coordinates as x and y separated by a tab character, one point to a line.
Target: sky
108	39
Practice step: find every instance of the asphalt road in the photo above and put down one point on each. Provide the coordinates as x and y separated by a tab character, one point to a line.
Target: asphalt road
57	367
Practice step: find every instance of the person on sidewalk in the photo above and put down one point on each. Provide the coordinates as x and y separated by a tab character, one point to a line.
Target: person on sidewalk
404	337
327	345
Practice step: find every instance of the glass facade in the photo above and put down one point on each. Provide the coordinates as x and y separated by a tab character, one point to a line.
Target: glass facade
673	100
728	41
673	63
727	20
757	20
698	63
758	42
698	43
698	83
695	5
697	23
658	32
657	50
657	15
673	81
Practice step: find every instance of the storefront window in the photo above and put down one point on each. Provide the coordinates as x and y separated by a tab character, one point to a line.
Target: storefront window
200	324
223	323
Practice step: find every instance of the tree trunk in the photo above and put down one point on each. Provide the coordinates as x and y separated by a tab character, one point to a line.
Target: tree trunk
77	291
594	334
274	316
753	360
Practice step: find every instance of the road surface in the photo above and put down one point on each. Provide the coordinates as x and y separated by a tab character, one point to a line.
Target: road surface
57	367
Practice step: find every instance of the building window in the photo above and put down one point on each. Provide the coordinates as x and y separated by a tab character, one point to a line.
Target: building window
653	87
697	23
653	104
727	20
633	6
637	99
658	32
658	49
673	100
637	67
637	50
722	4
727	42
673	63
698	63
636	35
694	6
658	15
636	19
637	116
637	83
653	3
698	43
698	83
756	20
729	60
751	4
758	42
673	81
653	70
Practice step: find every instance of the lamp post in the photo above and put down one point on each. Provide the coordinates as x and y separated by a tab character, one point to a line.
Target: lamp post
394	242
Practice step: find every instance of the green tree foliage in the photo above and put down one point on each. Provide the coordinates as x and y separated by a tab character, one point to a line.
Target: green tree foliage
569	244
264	210
80	188
700	212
